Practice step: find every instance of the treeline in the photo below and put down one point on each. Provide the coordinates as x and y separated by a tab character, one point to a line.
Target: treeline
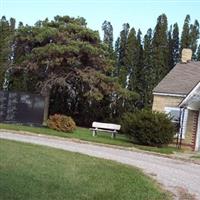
141	62
85	77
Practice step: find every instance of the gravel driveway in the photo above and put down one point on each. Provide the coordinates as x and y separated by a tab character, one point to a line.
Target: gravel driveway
179	177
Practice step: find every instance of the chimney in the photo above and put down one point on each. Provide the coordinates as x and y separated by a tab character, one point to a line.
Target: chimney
186	55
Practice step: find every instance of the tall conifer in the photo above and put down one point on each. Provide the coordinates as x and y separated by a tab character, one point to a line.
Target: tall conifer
194	36
160	49
185	36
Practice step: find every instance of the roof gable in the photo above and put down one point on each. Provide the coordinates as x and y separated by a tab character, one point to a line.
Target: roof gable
193	98
180	80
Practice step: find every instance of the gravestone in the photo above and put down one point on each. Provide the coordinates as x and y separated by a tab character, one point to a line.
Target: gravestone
20	107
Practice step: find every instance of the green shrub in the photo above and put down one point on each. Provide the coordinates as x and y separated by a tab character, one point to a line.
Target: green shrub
148	128
61	123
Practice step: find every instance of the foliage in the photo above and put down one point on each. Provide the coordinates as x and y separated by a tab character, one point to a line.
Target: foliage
87	78
67	59
61	123
148	128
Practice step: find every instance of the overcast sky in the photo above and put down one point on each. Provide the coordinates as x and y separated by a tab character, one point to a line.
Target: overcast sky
138	13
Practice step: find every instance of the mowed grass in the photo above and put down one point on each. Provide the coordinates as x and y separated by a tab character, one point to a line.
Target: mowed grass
161	150
30	172
197	156
86	135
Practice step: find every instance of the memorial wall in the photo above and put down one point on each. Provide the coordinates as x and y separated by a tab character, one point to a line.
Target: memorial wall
19	107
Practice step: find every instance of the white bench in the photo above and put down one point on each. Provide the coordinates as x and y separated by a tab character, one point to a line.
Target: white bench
105	127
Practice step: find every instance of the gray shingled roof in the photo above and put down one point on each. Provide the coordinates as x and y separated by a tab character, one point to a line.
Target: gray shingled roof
180	80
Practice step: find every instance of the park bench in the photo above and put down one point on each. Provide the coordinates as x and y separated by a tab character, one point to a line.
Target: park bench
105	127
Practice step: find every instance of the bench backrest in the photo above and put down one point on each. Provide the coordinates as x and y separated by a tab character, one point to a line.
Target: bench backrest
106	126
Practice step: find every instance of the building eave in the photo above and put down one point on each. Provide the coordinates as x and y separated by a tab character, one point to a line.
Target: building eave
169	94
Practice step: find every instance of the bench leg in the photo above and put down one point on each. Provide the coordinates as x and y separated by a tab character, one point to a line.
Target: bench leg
94	132
113	135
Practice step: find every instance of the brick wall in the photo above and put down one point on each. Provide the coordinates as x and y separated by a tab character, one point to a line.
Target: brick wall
160	102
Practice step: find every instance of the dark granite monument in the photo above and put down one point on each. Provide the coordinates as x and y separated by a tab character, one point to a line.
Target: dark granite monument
20	107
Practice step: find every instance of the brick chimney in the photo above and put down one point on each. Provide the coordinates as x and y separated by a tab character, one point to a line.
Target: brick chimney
186	55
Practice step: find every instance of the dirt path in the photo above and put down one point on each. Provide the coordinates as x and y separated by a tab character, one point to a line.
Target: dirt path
180	177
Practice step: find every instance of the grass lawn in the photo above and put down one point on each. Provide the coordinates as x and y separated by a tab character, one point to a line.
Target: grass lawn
79	133
162	150
85	134
35	172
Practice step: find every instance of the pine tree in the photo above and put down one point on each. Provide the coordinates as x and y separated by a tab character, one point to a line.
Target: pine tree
160	49
194	36
131	61
120	51
170	46
175	44
140	66
148	72
7	30
123	43
108	34
117	52
185	37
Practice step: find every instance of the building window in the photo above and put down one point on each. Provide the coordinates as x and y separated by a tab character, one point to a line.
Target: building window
178	117
174	113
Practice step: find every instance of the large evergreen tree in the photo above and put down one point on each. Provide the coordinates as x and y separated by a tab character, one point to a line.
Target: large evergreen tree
69	60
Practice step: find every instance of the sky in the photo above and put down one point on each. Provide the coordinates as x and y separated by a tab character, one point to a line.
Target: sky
138	13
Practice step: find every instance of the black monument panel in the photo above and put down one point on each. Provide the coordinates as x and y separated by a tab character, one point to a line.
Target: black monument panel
18	107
